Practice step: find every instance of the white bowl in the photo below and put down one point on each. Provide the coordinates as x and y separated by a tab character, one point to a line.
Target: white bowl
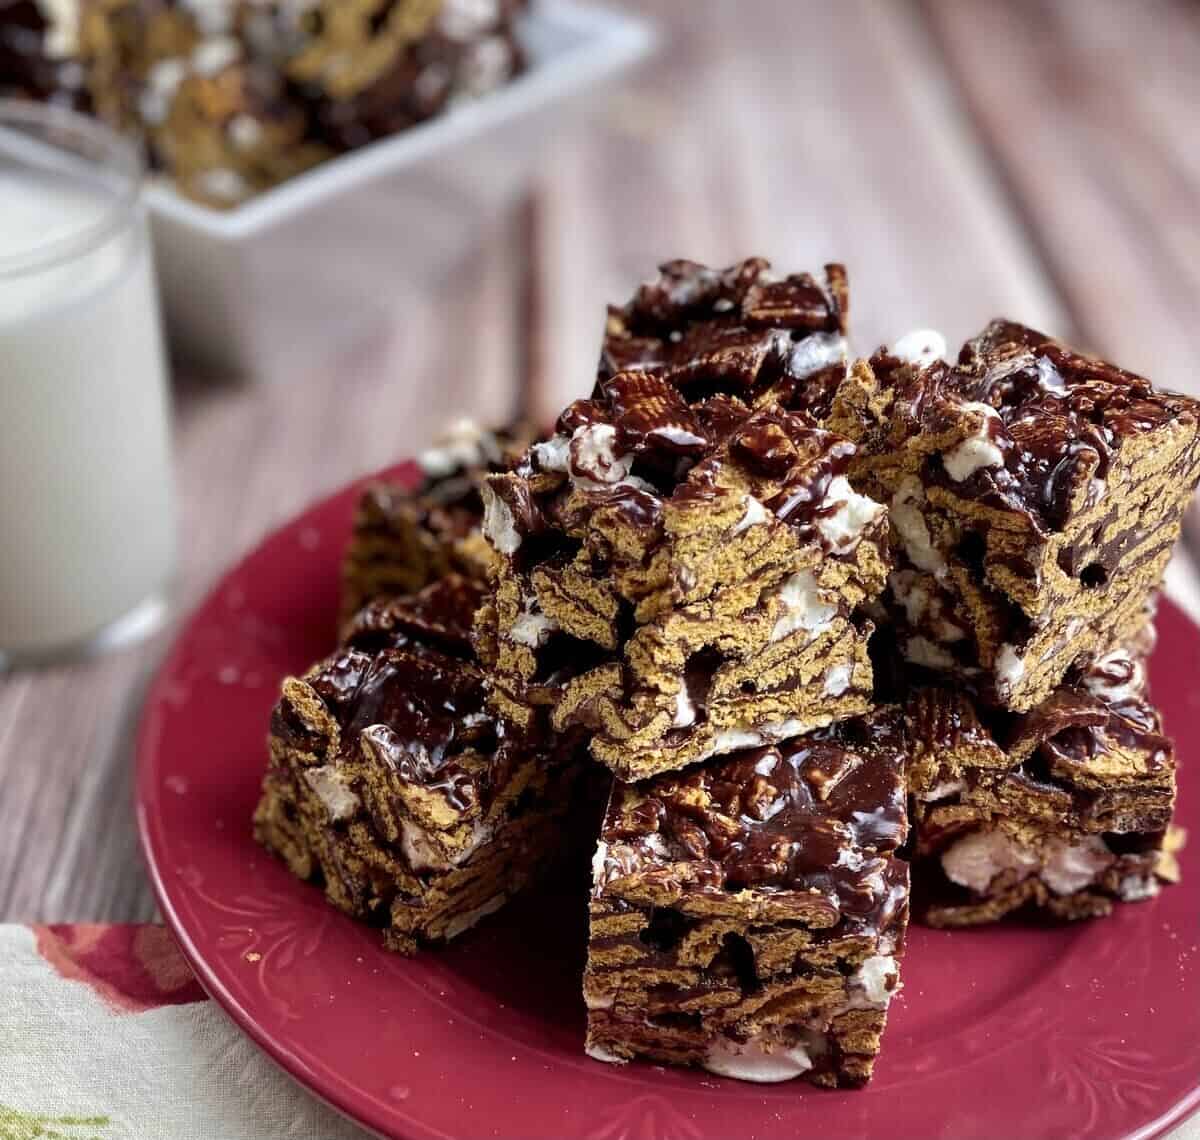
295	274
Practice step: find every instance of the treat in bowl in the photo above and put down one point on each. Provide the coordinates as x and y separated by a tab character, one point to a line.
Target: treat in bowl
233	97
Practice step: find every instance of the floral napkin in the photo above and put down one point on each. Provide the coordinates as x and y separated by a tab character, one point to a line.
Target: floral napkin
106	1035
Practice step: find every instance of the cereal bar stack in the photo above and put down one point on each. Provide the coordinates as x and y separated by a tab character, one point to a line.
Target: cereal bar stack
820	626
682	571
1035	495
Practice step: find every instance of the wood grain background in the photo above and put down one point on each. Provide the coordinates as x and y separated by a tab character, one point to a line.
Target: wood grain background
965	158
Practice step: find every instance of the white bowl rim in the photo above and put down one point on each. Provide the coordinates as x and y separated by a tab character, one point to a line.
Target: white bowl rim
611	41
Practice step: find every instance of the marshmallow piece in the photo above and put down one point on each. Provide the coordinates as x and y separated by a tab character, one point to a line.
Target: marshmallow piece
816	351
842	529
803	607
465	444
532	627
499	525
921	347
757	1059
1009	669
333	791
909	521
976	859
976	451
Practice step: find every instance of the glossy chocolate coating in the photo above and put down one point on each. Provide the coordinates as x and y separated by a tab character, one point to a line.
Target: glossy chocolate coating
1106	705
1061	419
820	815
737	329
439	615
1061	753
1100	701
682	453
701	369
405	683
416	710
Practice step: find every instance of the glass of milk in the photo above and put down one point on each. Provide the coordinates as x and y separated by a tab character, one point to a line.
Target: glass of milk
87	527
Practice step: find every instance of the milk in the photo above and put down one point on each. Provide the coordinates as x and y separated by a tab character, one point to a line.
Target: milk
86	511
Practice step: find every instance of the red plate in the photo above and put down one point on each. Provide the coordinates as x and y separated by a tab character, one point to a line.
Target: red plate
1087	1030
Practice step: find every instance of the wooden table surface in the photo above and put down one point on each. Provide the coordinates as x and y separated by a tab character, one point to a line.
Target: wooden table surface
966	159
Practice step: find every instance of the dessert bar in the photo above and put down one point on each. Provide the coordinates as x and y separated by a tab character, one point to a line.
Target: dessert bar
391	784
682	563
1034	494
404	538
747	916
1065	807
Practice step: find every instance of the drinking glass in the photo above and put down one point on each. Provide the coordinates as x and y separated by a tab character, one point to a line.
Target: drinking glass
87	526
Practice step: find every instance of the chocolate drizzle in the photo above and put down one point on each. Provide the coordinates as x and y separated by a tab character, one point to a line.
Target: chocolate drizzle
1060	419
405	685
439	615
1105	707
692	397
820	815
735	330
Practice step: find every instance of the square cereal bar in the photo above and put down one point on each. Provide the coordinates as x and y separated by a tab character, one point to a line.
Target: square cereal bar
1035	495
390	783
1064	808
748	915
682	563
